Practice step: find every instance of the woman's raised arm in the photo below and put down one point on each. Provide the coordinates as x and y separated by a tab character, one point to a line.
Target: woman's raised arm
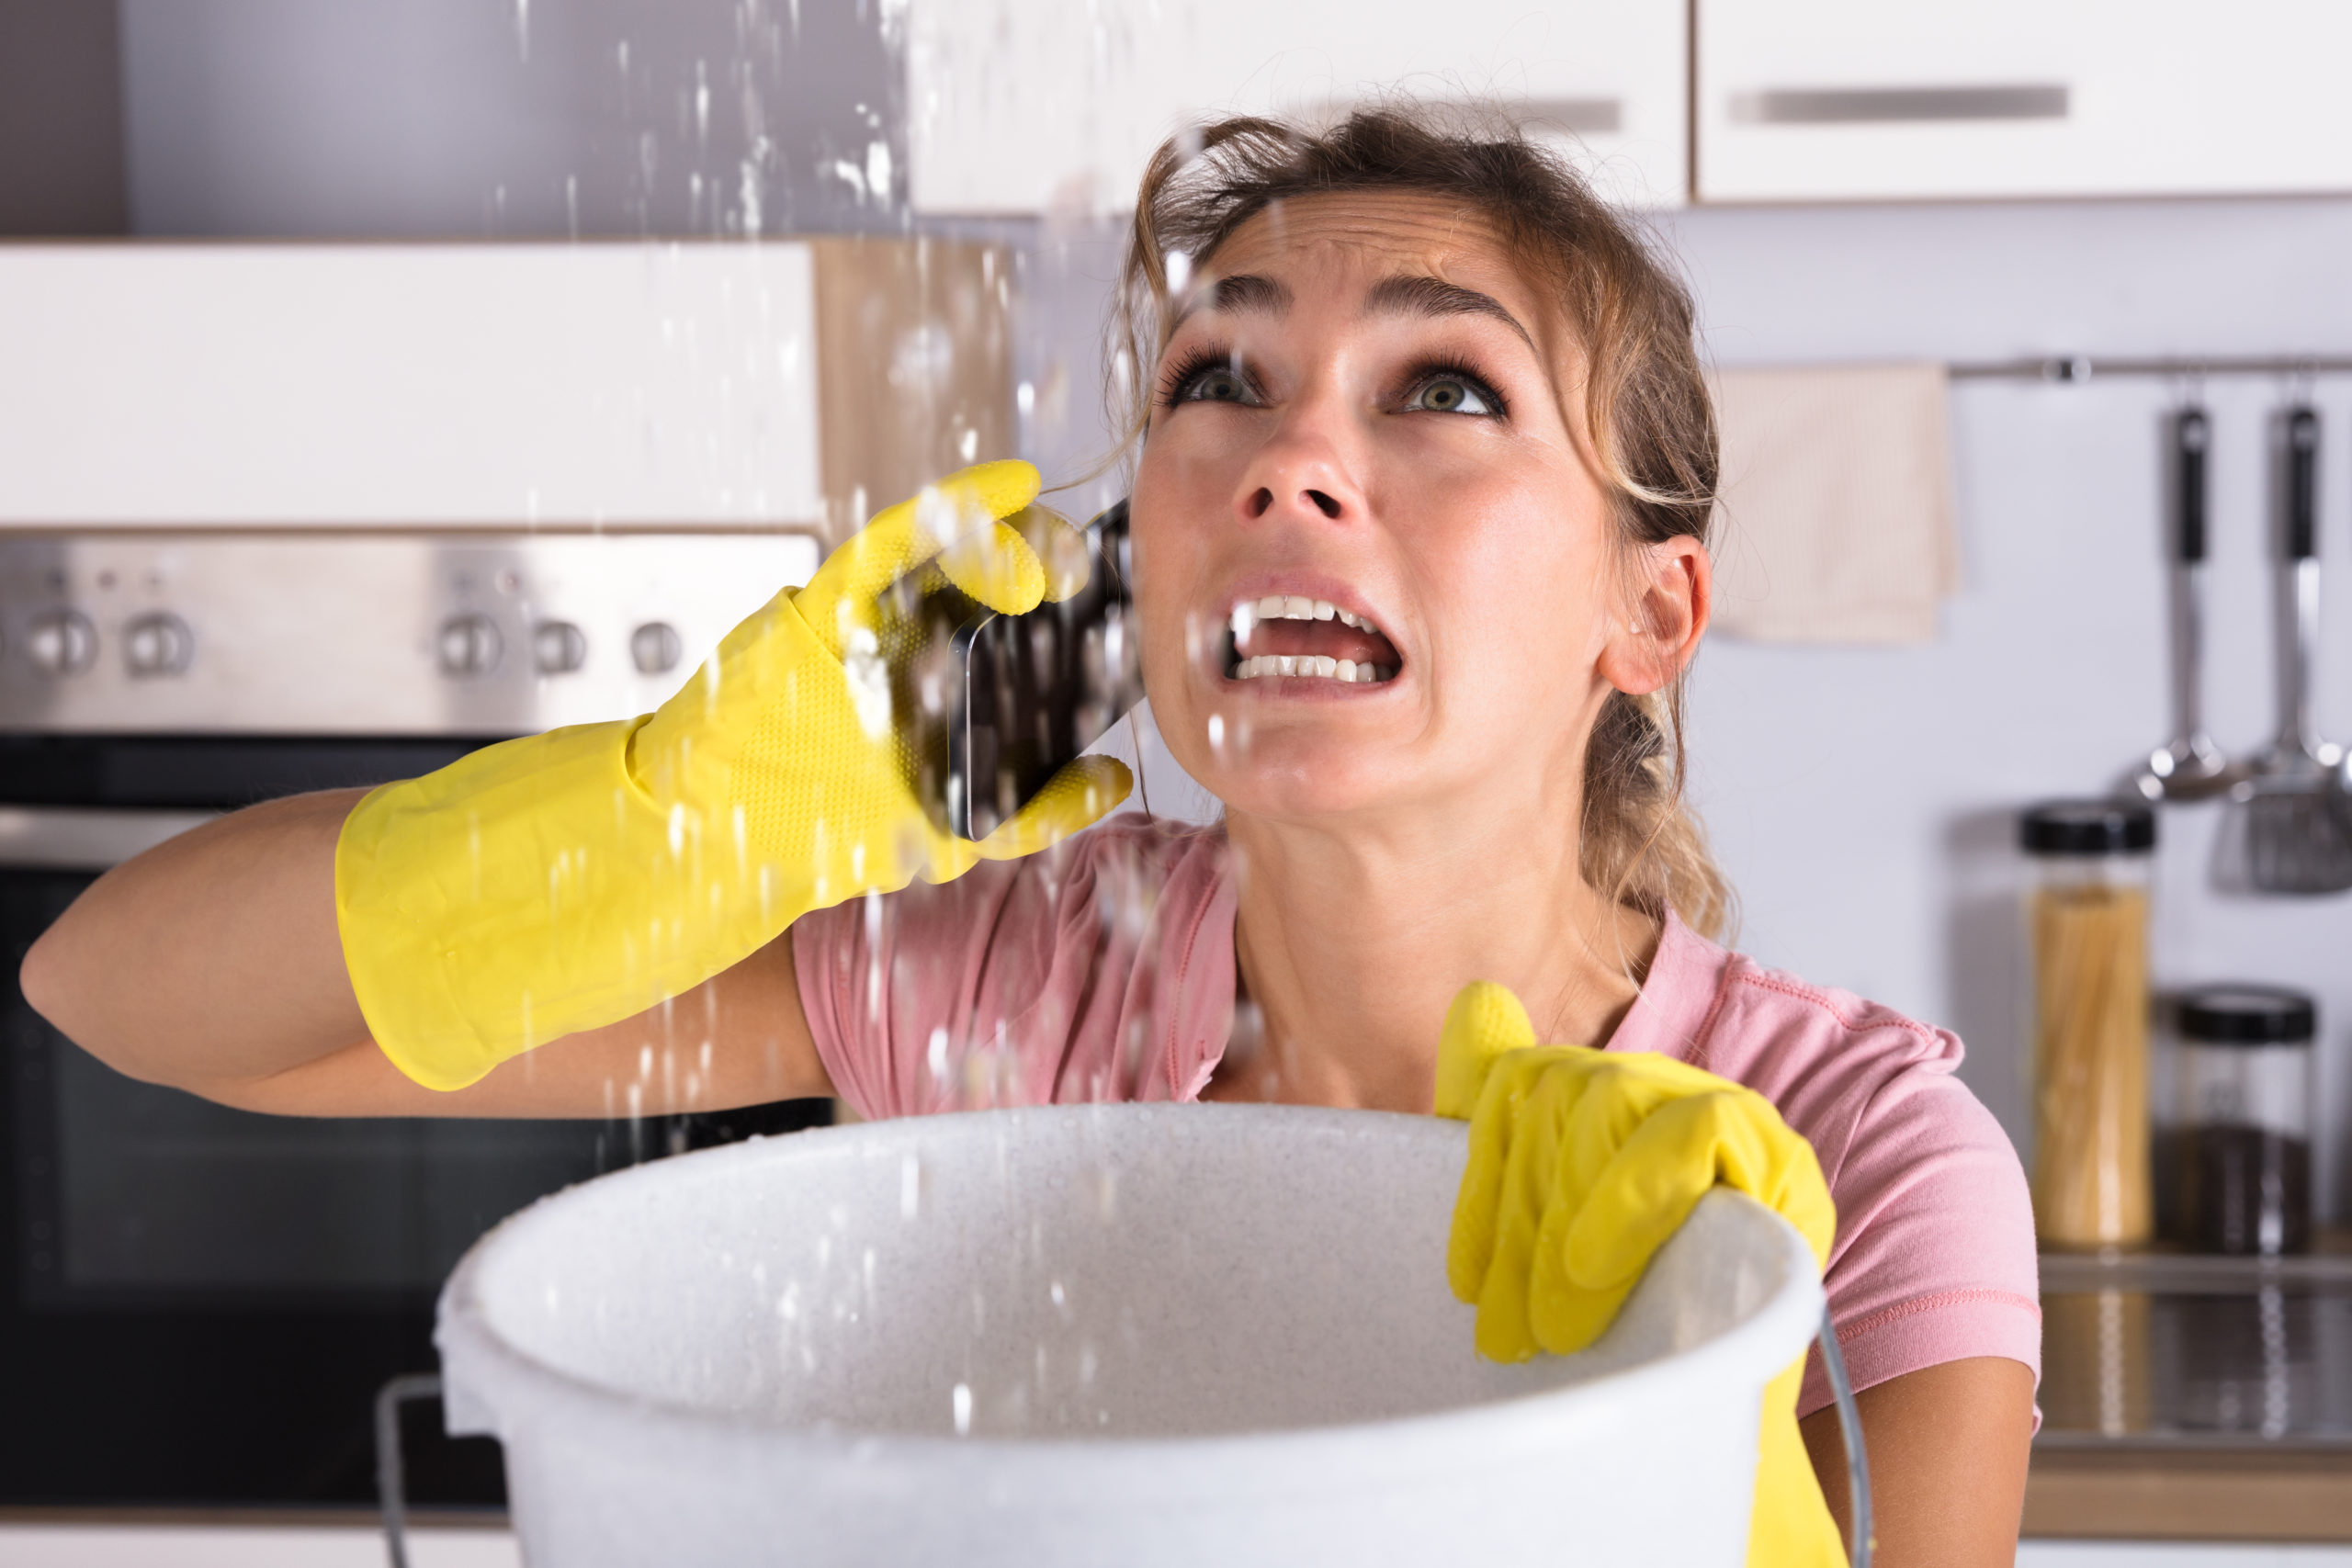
213	962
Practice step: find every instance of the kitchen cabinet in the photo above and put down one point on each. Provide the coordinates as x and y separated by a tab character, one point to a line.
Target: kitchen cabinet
795	384
1033	106
1843	100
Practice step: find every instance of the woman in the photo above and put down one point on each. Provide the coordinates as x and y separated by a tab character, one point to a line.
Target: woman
1423	475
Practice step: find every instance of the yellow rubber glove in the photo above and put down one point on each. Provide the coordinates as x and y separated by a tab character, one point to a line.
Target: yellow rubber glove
1582	1163
571	879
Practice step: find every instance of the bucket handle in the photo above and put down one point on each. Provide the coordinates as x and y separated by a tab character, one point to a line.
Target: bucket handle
392	1494
391	1491
1849	1429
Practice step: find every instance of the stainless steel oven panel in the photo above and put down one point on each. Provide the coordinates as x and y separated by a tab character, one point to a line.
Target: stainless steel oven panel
74	838
367	633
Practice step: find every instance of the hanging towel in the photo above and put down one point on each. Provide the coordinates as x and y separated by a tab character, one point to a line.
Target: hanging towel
1833	521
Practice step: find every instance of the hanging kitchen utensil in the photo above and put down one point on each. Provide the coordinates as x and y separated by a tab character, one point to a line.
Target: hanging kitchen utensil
2190	766
2297	839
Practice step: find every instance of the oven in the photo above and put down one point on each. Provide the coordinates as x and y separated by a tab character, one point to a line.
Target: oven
200	1304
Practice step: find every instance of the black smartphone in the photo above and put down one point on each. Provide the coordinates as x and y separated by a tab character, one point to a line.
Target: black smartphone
991	706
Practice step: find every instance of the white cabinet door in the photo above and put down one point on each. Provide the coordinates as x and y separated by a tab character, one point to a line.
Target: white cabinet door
1809	100
503	385
1029	106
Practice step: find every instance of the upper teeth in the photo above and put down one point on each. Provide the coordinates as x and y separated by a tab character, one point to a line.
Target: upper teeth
1291	607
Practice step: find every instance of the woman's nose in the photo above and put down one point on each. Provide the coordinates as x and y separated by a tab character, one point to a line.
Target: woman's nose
1262	501
1302	474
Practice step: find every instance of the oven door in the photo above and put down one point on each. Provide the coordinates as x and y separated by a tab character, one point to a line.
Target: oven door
203	1302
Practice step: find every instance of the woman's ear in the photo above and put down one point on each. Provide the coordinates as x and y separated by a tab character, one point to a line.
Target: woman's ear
1672	592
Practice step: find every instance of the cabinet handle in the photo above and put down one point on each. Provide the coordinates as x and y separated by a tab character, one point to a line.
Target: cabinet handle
1583	115
1578	116
1862	105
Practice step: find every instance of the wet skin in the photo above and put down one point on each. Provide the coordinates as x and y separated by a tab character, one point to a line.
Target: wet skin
1407	457
1368	400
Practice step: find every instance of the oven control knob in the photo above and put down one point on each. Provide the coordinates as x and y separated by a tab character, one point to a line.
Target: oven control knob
469	645
62	642
654	647
158	643
558	648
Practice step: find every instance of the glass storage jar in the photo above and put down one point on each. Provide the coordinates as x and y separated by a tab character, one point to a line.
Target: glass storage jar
2088	919
2243	1083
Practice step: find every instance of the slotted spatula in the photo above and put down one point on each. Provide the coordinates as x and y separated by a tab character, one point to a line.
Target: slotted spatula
2297	837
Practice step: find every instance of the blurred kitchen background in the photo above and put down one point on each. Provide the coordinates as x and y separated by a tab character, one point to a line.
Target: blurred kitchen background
2081	212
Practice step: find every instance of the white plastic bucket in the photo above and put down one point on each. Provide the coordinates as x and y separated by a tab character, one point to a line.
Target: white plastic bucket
1091	1335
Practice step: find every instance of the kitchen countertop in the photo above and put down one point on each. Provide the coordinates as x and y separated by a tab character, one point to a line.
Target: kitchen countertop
2189	1494
2196	1398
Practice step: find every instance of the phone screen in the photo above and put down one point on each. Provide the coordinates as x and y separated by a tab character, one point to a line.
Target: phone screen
994	706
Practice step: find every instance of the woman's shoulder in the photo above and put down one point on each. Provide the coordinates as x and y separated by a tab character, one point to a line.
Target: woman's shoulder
1776	1032
1934	1259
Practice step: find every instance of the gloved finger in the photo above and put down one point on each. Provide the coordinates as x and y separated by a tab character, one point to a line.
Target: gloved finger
1566	1317
1075	797
1648	1190
1757	1153
1494	1120
955	523
1627	1089
1504	1328
1529	1217
1485	1022
1060	547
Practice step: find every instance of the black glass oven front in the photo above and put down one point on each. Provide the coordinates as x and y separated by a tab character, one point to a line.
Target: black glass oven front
201	1302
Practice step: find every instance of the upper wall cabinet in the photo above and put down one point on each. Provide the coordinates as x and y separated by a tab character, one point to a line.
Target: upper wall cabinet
1031	106
1833	100
799	383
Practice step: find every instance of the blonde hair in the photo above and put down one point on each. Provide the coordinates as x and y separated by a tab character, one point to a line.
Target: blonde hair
1648	422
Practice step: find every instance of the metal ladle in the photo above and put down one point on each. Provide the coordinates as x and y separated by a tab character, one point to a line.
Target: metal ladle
2190	766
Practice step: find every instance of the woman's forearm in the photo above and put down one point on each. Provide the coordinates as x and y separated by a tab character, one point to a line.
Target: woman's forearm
214	959
213	963
1948	1445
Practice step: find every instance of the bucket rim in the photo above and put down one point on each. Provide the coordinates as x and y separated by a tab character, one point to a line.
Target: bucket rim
1785	1322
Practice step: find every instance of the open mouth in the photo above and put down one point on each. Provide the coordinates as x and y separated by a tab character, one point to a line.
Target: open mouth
1290	635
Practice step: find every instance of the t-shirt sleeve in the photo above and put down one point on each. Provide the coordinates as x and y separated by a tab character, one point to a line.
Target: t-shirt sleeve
1068	975
898	986
1935	1257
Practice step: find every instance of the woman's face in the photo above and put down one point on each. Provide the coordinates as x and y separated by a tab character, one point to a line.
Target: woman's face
1360	461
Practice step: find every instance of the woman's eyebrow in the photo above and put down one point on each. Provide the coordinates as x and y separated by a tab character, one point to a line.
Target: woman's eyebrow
1244	291
1435	297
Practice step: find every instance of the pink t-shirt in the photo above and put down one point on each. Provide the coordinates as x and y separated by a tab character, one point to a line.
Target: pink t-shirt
1104	970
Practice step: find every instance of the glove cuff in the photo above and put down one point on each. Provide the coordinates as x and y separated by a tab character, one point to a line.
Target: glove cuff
527	891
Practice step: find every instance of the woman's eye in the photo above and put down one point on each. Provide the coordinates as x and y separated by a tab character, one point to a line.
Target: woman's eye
1451	394
1215	386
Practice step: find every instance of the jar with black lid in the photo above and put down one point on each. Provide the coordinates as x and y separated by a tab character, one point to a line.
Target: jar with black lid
2244	1082
2087	916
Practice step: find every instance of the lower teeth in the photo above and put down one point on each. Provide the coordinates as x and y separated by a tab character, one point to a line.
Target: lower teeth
1344	671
